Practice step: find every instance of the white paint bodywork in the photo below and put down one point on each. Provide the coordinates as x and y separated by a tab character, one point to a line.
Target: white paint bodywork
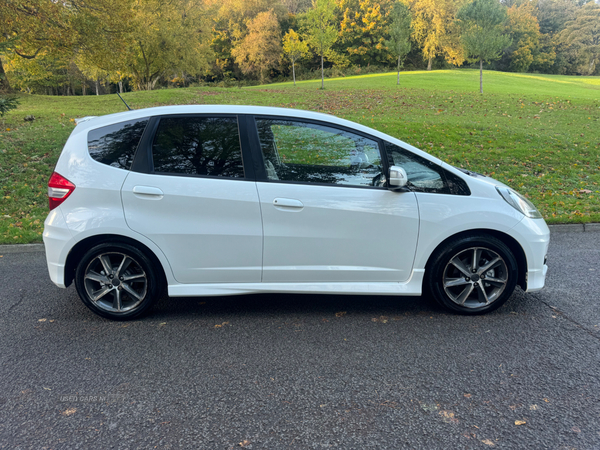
335	234
225	236
210	229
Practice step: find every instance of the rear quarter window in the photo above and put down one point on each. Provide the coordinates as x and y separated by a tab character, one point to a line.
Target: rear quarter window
115	145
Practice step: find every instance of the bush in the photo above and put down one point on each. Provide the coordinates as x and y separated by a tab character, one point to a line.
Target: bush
7	103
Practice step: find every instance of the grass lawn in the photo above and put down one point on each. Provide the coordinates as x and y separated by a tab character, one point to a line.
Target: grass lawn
538	133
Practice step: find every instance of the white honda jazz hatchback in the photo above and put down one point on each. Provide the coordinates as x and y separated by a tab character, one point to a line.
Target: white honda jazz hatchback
224	200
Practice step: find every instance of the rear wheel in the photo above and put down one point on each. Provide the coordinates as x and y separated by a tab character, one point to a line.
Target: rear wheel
117	281
473	275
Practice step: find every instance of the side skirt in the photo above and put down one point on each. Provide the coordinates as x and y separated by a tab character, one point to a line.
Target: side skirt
411	287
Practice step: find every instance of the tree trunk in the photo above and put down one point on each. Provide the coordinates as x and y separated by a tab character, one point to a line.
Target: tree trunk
4	84
481	76
322	74
83	86
97	86
429	63
294	72
398	79
120	86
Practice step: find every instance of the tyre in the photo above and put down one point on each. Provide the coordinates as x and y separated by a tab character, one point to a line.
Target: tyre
472	275
117	281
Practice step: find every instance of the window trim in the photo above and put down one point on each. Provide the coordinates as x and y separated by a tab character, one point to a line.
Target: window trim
144	162
261	172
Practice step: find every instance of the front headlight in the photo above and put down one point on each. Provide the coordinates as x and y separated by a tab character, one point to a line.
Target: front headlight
520	203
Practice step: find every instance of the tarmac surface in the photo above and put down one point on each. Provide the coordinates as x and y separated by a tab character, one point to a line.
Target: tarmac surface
299	371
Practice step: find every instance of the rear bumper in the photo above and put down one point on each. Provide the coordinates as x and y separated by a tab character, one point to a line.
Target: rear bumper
56	236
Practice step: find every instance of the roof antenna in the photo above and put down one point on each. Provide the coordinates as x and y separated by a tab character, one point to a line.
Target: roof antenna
124	101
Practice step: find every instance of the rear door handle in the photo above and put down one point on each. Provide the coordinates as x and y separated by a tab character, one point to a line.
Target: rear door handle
287	203
148	192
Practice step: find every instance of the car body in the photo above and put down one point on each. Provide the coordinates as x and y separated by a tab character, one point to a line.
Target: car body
222	200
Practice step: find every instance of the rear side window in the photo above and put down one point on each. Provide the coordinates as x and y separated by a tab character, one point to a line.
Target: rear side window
208	146
115	145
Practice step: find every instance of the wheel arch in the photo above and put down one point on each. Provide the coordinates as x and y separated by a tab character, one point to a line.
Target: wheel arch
508	240
84	245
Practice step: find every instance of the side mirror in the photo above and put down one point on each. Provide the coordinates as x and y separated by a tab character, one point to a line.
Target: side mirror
397	178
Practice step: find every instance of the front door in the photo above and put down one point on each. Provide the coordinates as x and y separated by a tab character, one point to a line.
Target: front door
327	216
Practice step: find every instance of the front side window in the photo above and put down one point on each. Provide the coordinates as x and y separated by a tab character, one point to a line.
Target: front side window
316	153
115	145
424	175
208	146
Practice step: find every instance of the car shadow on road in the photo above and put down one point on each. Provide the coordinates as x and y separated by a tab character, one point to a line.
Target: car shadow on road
293	304
285	306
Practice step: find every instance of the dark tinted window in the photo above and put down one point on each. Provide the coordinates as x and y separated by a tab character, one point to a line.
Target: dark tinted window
115	145
198	146
424	175
316	153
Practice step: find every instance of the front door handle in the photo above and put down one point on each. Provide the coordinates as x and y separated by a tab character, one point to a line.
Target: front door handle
287	203
148	192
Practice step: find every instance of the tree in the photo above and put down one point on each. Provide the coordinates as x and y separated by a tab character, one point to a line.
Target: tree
552	15
322	32
147	42
43	74
483	36
230	19
435	30
31	27
294	48
363	29
260	50
296	6
526	48
583	35
399	42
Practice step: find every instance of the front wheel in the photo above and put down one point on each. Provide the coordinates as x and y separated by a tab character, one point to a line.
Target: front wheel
473	275
117	281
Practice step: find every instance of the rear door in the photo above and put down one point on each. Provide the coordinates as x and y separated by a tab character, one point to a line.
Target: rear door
192	192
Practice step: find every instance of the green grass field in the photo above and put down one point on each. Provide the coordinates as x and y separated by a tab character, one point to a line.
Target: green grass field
538	133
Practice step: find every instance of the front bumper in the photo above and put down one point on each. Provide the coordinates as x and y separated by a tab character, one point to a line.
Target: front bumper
534	237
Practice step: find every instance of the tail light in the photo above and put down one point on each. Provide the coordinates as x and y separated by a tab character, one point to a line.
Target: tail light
59	188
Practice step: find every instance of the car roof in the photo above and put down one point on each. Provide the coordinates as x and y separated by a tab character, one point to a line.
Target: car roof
93	122
99	121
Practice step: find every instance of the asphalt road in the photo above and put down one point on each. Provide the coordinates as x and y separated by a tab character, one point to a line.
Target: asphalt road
291	371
